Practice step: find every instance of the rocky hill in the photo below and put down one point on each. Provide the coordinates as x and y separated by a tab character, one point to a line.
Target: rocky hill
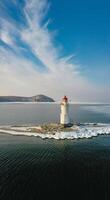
37	98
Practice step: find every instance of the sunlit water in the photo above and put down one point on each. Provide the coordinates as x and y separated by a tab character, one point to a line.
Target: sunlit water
31	167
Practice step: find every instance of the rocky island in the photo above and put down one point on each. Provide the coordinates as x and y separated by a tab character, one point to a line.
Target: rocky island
57	131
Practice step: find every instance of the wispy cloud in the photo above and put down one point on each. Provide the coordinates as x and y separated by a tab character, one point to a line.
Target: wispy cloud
20	75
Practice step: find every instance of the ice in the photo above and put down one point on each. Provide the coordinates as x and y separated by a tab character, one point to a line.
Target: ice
85	131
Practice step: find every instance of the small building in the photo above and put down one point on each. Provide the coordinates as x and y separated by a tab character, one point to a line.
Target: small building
64	115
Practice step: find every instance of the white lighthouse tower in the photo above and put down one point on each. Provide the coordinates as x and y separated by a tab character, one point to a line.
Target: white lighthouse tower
64	116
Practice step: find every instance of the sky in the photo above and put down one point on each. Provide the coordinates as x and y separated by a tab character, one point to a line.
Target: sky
55	48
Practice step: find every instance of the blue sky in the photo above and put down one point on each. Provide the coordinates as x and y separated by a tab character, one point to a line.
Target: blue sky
84	28
55	48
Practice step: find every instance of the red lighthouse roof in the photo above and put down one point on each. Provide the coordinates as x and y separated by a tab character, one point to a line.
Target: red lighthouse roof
65	98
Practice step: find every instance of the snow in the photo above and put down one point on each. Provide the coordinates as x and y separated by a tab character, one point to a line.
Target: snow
84	131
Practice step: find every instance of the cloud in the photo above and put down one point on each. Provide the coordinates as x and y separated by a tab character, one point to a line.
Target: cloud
19	75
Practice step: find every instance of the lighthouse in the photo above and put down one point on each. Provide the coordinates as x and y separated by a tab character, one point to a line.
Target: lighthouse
64	115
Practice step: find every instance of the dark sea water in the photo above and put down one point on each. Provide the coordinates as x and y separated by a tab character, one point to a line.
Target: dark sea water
33	168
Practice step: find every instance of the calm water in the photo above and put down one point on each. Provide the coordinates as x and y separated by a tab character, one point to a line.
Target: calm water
31	167
45	113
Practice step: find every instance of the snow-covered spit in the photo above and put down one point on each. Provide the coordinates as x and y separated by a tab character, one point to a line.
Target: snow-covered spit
82	131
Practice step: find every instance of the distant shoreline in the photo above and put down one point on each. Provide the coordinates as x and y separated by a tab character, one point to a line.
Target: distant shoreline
36	98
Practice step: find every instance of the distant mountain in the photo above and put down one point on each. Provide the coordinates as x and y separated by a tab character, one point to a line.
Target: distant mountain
37	98
42	98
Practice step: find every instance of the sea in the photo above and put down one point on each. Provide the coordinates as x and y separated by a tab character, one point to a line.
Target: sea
32	168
